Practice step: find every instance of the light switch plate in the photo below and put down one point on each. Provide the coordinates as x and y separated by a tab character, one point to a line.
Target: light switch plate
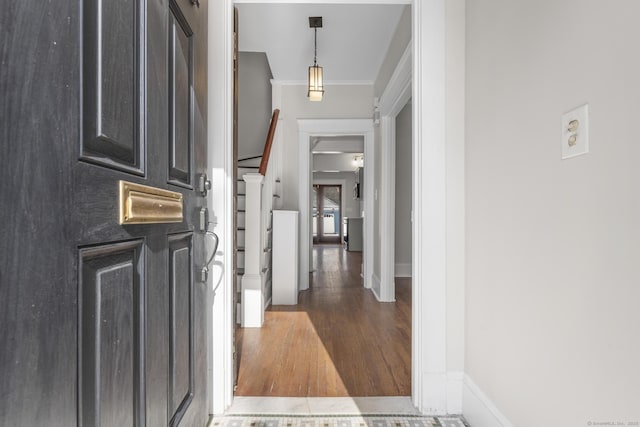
575	132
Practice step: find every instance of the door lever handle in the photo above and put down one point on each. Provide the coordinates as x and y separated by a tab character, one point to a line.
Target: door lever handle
204	272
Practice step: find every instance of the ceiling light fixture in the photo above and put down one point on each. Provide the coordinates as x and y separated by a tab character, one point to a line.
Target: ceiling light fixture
316	89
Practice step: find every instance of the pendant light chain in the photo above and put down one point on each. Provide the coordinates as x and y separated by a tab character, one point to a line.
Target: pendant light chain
315	45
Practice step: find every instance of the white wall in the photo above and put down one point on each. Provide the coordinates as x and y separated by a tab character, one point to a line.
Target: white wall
403	191
254	103
553	246
455	177
342	101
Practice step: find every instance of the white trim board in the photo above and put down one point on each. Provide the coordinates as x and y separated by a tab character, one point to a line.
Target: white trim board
429	331
394	98
220	310
478	409
429	298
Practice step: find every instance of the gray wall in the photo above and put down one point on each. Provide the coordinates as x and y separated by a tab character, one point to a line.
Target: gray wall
403	188
254	102
398	44
553	246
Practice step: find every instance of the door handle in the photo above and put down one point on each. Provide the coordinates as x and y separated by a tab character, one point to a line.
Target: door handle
204	272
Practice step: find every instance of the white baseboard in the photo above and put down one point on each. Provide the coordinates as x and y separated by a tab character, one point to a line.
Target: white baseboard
478	409
375	285
403	270
455	381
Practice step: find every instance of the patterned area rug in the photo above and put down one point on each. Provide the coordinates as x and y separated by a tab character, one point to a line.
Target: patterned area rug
336	421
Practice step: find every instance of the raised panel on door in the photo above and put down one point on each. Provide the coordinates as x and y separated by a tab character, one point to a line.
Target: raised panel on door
180	98
111	90
181	343
111	319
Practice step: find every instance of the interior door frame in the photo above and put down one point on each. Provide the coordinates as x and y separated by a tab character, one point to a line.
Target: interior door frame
308	129
435	389
392	101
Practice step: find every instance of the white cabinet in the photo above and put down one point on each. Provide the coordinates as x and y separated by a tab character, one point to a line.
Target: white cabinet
285	258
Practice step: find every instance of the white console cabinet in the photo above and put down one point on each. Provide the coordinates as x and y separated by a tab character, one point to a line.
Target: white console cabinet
285	258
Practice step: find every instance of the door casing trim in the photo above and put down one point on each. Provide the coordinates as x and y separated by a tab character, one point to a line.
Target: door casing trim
308	129
393	99
429	306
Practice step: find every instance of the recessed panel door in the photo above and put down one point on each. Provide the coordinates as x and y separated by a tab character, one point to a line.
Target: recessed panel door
103	321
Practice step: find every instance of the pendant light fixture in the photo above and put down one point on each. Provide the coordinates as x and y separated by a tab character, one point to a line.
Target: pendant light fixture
316	89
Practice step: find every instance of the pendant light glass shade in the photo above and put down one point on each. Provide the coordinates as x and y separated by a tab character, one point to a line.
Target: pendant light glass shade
315	83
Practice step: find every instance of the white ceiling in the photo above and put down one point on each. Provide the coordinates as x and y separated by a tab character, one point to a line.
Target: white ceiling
338	144
351	45
323	162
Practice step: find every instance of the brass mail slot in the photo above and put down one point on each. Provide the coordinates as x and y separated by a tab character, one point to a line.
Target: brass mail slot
141	204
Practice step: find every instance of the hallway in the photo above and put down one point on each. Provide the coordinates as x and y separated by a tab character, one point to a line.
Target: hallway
338	341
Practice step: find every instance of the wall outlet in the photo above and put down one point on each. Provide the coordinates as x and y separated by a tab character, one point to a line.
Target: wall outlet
575	132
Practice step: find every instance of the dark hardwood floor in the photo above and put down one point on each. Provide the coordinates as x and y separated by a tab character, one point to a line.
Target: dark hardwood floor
338	341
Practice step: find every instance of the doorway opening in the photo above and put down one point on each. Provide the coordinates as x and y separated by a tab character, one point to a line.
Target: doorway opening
326	213
434	389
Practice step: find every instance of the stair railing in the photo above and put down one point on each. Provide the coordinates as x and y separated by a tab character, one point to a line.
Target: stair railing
269	143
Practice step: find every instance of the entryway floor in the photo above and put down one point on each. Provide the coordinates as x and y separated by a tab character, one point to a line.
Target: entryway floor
329	412
338	341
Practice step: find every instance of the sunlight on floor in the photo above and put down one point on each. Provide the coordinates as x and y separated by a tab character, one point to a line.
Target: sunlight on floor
294	363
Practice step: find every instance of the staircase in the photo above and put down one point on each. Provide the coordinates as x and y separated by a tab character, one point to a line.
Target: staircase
259	192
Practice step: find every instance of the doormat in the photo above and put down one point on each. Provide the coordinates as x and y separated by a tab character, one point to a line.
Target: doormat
336	421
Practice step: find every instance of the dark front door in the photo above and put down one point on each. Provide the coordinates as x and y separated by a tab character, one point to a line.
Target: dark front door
102	323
